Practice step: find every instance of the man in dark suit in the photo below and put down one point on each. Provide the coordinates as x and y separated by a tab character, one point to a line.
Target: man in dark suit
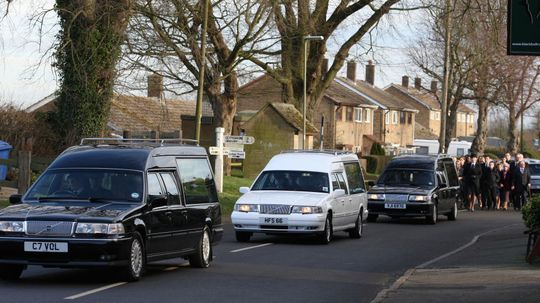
521	182
488	183
474	173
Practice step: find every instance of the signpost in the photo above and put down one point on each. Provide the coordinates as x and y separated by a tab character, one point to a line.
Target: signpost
230	146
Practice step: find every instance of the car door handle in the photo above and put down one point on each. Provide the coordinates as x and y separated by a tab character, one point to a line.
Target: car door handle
168	213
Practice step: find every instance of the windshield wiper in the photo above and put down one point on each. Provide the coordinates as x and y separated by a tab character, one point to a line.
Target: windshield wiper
98	199
40	199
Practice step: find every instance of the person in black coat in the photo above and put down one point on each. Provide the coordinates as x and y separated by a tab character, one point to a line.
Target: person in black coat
485	182
521	182
491	185
474	174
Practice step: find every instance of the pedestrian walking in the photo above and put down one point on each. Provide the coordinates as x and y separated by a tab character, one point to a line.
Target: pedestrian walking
505	185
521	182
473	173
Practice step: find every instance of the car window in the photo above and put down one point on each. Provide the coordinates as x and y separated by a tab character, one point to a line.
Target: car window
335	183
341	181
171	188
354	177
407	177
154	188
197	181
441	179
292	181
451	173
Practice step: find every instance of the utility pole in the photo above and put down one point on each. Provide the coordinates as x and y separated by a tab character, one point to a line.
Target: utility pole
521	132
198	109
446	78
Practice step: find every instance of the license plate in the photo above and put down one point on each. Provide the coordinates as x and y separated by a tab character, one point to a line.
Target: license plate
273	221
55	247
395	205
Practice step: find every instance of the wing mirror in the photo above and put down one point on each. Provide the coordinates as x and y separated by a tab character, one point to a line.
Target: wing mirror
158	201
244	190
338	193
15	199
370	183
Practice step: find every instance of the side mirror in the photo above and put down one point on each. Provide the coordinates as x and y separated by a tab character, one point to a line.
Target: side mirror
338	193
15	199
157	201
371	183
244	190
442	185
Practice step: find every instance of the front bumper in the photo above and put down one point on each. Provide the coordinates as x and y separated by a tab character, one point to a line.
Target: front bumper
295	223
81	252
412	209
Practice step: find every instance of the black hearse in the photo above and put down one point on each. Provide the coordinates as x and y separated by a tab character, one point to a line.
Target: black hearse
414	186
117	203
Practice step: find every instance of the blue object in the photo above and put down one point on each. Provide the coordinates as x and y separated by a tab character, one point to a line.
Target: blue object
5	148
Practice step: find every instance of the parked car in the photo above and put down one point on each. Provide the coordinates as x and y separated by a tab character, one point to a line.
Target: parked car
304	192
119	204
534	169
415	186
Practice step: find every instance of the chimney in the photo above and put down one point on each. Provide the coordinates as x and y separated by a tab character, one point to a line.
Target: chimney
405	81
155	86
417	83
351	71
434	84
370	73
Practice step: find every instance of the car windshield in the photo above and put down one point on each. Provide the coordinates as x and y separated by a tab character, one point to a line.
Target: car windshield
534	169
292	181
89	184
406	177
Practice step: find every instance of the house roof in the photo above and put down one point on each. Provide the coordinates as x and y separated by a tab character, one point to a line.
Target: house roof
376	95
293	117
421	132
341	93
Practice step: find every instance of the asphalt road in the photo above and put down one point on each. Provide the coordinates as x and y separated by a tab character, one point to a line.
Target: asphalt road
271	269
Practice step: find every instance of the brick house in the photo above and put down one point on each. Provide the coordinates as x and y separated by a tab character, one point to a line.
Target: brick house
429	109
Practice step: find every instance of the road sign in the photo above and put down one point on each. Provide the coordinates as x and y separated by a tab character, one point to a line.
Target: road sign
240	139
214	150
237	155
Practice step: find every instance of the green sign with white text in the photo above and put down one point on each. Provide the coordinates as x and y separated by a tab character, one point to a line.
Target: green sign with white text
524	27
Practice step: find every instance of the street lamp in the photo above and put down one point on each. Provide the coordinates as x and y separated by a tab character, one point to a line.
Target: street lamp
306	40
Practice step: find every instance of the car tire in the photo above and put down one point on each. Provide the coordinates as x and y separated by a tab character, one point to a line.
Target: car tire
11	272
242	236
203	256
453	213
432	218
326	236
356	232
136	259
372	218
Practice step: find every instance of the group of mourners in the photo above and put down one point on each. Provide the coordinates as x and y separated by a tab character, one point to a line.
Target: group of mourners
491	184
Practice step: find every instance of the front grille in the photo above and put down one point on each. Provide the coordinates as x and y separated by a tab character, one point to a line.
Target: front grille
396	198
49	228
275	209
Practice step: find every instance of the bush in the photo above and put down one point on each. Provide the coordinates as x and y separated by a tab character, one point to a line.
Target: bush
377	149
531	213
371	164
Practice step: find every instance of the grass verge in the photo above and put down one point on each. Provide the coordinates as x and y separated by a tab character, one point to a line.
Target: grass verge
230	192
4	203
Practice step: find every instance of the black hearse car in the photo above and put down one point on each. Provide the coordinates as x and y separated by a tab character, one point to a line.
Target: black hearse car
114	203
416	186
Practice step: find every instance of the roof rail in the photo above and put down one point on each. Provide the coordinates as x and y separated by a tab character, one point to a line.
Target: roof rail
137	141
318	151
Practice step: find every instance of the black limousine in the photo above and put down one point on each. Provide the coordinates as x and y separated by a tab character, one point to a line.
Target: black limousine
114	203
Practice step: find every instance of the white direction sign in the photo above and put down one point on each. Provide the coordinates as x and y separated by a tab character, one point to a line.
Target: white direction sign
240	139
214	150
237	155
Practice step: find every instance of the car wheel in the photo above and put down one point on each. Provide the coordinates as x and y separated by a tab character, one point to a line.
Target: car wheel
203	255
372	218
453	213
432	218
136	259
11	272
242	236
358	229
327	234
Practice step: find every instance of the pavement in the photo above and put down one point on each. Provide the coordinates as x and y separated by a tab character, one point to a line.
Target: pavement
6	192
493	269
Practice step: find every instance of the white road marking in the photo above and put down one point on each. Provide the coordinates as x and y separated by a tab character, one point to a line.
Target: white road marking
93	291
251	247
397	284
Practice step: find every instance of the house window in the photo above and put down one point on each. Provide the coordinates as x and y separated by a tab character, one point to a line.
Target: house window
350	113
402	117
394	117
436	116
358	114
367	115
410	118
339	114
386	117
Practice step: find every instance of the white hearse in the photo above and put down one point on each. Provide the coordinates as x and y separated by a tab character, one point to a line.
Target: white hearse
304	192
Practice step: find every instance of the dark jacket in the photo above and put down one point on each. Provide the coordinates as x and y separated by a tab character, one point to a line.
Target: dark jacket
520	180
505	180
474	174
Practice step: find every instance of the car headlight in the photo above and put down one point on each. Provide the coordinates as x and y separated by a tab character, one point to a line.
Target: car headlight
100	228
246	208
13	226
380	197
297	209
418	198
